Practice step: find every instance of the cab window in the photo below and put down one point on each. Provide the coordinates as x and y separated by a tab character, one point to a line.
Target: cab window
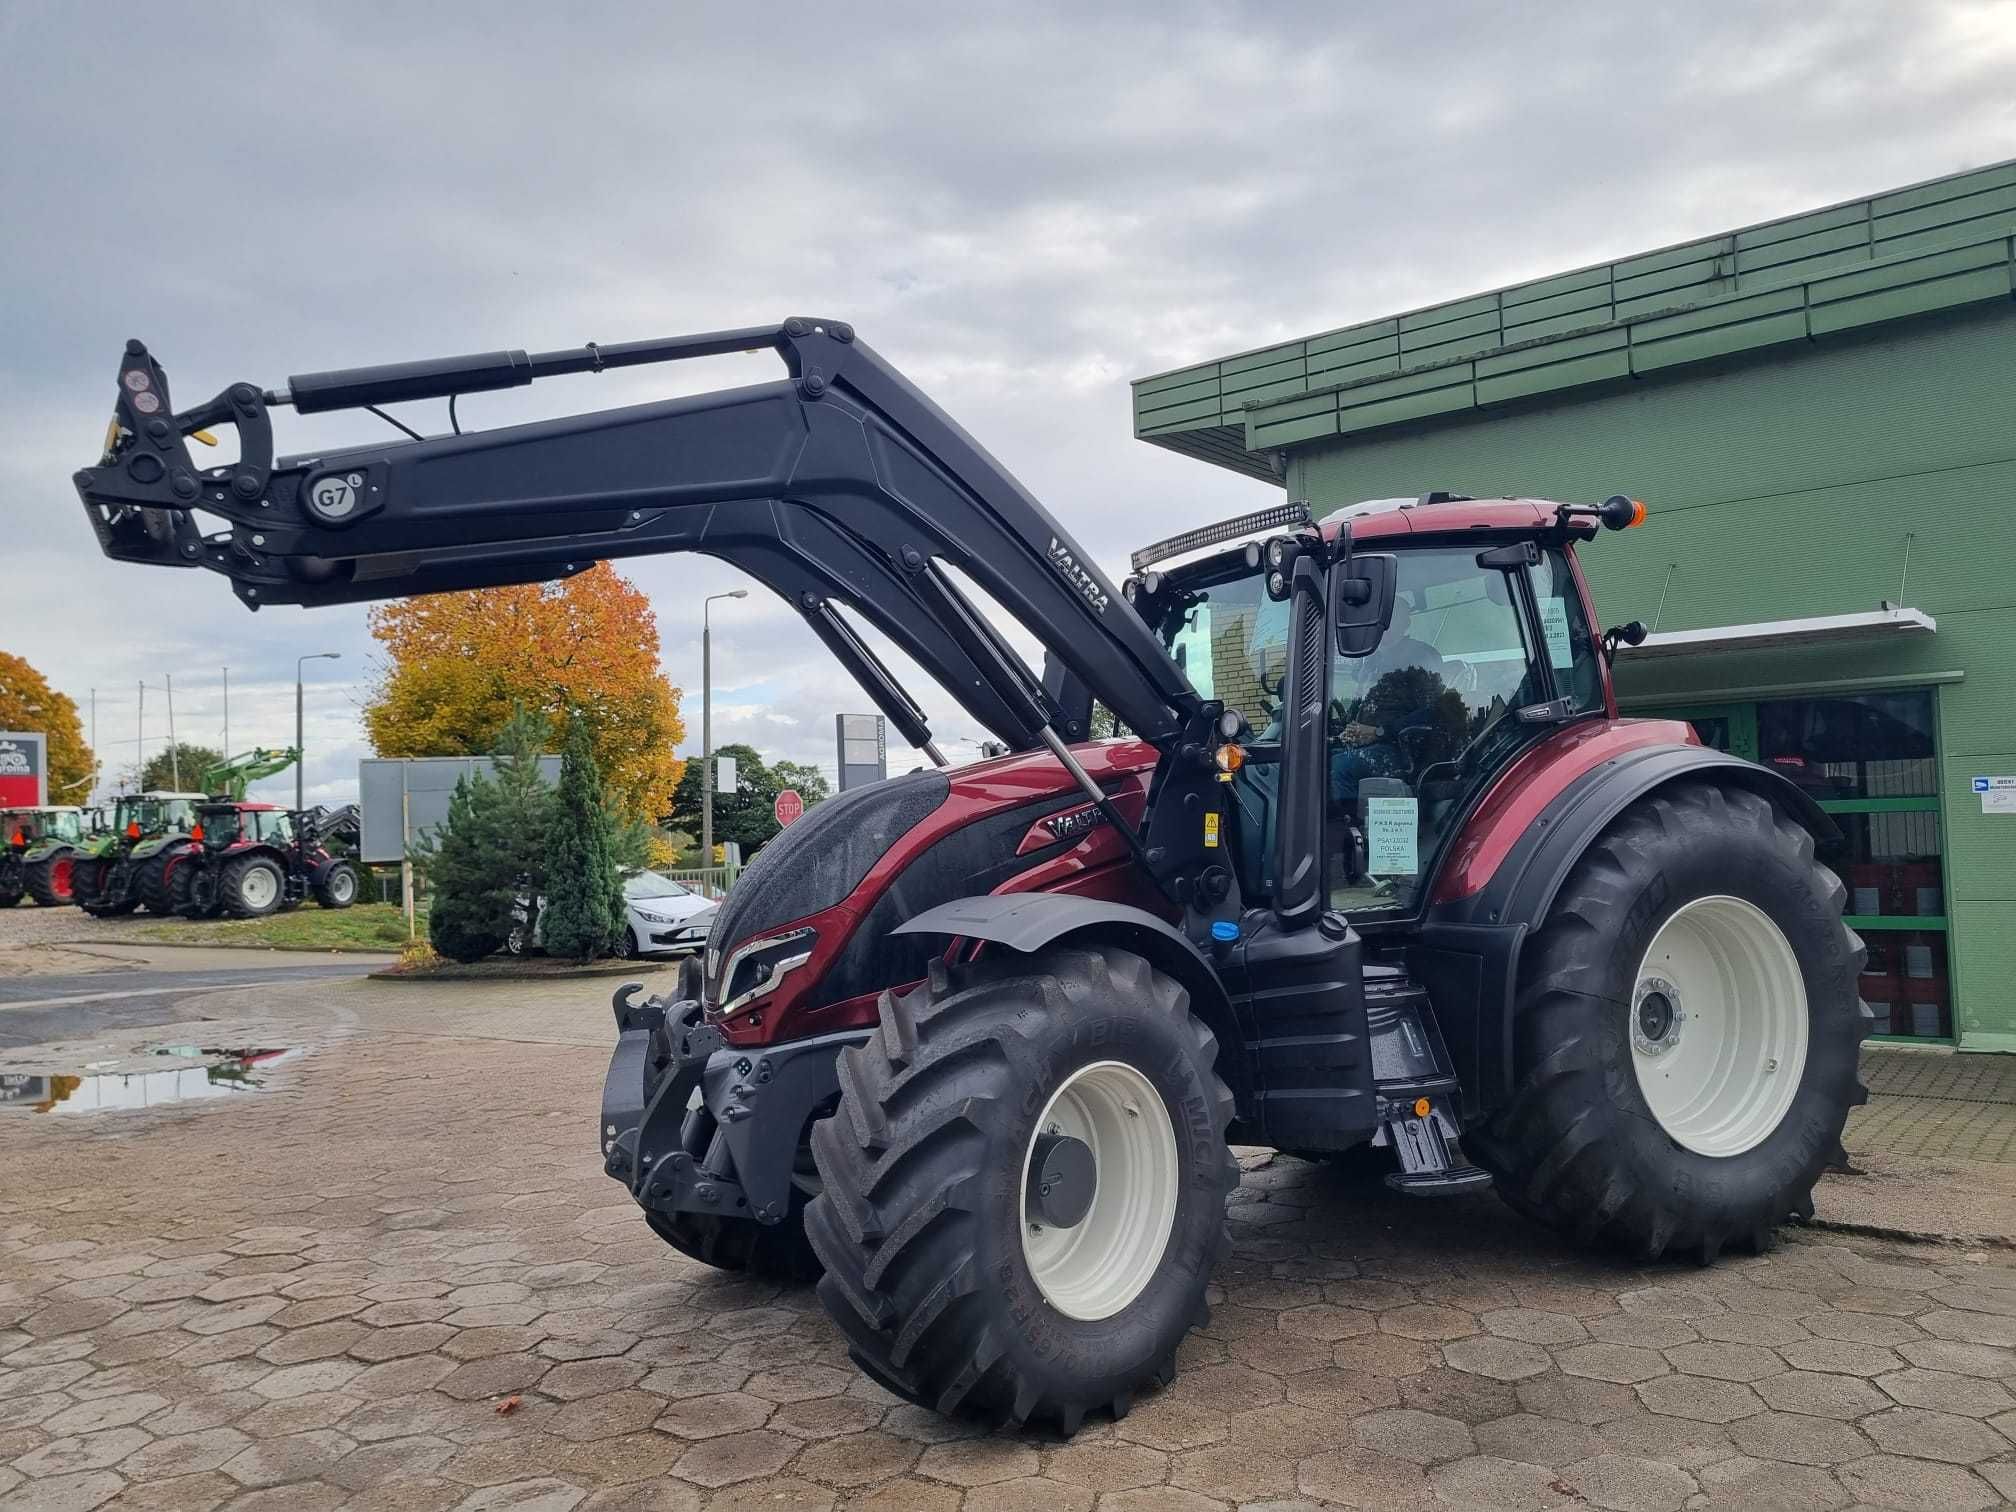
1422	724
276	828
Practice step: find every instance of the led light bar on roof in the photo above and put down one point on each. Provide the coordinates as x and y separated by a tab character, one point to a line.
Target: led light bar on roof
1225	530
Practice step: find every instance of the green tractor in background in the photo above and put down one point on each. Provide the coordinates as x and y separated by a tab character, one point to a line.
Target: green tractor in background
105	874
39	850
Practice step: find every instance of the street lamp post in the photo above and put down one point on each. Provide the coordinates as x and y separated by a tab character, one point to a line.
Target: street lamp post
300	749
707	725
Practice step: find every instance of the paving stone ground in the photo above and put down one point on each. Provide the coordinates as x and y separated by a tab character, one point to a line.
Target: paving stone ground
326	1295
1937	1105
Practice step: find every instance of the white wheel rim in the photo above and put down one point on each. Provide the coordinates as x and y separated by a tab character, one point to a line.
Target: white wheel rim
1102	1263
1718	1026
341	885
257	889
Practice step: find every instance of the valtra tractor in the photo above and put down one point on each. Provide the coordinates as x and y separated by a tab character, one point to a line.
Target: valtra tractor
252	859
1375	861
107	876
36	847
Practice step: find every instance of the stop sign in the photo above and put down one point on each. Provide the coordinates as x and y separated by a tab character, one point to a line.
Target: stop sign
789	806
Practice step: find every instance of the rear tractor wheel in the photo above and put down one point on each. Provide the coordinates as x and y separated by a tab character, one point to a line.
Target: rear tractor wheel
152	881
339	886
253	887
50	879
1023	1187
1687	1033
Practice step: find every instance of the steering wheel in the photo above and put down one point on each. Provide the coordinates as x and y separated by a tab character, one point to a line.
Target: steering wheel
1465	680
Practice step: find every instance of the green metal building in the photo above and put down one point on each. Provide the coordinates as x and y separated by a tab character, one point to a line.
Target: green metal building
1821	413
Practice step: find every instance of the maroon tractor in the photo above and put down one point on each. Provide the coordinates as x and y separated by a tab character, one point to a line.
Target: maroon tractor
1367	857
253	859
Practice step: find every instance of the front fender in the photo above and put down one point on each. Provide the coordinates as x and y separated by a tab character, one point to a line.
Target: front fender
1029	922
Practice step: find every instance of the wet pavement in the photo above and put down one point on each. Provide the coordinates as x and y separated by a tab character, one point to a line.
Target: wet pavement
396	1278
136	988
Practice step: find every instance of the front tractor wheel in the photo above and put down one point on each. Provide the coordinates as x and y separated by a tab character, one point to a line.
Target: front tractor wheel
339	886
1023	1187
1688	1030
253	887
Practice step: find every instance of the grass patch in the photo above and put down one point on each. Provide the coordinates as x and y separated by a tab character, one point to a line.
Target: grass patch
368	926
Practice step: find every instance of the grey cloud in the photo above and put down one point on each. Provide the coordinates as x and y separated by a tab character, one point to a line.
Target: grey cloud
1025	209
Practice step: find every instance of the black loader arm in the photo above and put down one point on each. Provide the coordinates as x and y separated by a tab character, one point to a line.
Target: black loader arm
840	487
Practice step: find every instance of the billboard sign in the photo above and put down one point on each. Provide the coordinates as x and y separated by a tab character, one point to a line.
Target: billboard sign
24	769
864	749
408	796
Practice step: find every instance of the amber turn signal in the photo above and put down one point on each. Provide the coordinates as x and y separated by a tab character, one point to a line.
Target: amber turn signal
1229	758
1422	1107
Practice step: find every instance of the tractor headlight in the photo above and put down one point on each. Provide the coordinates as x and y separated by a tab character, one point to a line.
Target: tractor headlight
754	969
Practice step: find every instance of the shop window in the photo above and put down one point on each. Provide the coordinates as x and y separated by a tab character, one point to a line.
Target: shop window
1905	984
1870	762
1873	745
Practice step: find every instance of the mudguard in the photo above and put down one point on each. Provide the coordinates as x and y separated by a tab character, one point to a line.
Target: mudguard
1027	922
1467	950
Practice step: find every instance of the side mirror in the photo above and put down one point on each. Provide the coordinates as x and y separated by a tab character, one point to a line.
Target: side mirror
1361	601
1631	633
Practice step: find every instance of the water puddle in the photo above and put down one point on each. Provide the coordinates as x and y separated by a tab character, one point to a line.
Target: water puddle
155	1077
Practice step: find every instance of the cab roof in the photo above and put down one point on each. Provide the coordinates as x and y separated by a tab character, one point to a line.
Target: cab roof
1382	519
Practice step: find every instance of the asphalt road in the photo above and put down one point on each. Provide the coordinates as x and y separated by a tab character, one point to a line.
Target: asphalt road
38	1009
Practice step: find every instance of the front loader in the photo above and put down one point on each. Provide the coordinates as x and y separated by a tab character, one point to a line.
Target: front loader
1373	862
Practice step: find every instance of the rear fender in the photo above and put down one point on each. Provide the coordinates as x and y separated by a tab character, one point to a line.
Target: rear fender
1467	950
1029	922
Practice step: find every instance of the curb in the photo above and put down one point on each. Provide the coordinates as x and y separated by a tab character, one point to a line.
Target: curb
460	972
1910	1236
146	944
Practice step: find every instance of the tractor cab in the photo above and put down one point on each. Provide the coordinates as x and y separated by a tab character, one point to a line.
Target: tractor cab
220	826
26	829
141	816
1478	644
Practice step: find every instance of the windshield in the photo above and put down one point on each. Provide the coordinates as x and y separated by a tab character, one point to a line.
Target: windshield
651	885
220	827
1416	730
1419	727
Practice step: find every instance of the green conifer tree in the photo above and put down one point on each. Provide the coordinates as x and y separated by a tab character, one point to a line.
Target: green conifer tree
584	894
470	913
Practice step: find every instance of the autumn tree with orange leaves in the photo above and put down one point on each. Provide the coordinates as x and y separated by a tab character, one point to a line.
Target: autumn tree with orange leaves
27	702
458	663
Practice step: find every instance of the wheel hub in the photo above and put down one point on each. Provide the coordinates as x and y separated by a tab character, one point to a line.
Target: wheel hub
1062	1179
1718	1023
1100	1188
1656	1020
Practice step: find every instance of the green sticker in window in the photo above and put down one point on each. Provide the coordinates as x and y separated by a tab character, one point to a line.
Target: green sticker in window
1390	845
1554	621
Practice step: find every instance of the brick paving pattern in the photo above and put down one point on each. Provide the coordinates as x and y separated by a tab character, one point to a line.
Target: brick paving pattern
323	1297
1936	1105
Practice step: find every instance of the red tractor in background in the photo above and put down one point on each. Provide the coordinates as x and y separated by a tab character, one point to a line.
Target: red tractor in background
1373	861
252	859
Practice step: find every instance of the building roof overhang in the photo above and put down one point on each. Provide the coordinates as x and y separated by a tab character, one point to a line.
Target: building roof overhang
1887	624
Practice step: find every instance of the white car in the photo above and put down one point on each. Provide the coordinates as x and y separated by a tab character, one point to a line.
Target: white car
663	917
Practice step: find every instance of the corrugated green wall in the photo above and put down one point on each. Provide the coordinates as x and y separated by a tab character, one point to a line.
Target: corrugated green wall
1782	489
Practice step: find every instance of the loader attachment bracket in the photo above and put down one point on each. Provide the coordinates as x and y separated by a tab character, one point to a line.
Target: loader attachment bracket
141	495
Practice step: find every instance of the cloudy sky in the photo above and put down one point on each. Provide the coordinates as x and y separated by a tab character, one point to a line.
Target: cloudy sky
1023	211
